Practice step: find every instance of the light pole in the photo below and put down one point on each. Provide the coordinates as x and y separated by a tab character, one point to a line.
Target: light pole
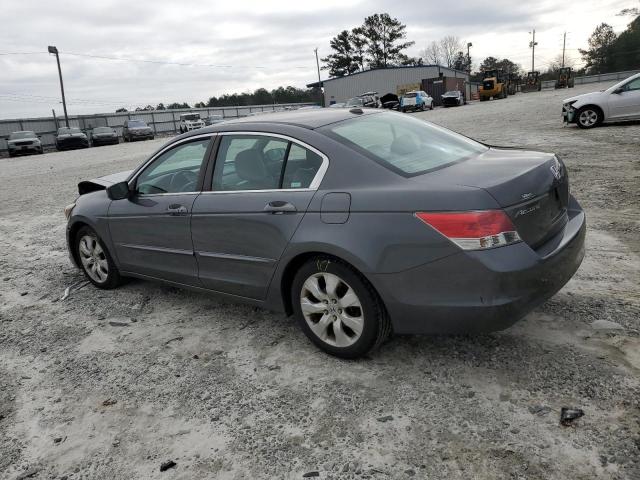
319	81
469	45
54	50
532	45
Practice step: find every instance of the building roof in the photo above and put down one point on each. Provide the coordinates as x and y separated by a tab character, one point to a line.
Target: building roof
322	82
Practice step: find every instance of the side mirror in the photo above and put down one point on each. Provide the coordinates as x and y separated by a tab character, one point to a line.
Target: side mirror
618	91
118	191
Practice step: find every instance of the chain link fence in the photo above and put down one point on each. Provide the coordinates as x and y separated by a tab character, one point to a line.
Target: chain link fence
161	121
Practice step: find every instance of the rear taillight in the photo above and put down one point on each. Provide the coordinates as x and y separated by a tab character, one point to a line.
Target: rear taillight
475	230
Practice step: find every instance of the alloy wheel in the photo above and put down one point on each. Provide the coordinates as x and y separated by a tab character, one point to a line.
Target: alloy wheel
93	258
332	309
588	118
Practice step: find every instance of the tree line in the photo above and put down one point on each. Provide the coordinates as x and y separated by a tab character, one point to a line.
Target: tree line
608	52
261	96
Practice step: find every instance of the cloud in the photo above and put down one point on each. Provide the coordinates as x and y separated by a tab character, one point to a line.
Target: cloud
256	43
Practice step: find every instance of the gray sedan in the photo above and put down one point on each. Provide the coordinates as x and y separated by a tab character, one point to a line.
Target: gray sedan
358	222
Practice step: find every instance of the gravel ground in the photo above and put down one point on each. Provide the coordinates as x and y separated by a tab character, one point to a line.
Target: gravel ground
113	384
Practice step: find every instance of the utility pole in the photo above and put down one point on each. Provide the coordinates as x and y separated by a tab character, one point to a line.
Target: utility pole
319	81
54	50
564	44
532	45
469	45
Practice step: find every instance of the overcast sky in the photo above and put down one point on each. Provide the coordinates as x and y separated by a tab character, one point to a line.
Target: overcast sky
251	44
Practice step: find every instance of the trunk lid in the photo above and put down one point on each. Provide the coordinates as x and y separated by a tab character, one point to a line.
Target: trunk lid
531	187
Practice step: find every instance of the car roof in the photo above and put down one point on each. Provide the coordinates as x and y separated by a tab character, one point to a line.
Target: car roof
311	118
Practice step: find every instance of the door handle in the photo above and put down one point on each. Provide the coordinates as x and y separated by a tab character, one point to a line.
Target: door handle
177	209
279	207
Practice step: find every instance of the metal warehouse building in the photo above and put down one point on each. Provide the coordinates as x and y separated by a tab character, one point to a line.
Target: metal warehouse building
433	79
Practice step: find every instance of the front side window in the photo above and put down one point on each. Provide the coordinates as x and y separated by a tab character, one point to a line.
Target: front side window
248	162
633	85
403	144
174	171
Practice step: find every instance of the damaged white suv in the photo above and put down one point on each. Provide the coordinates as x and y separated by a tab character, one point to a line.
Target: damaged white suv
190	121
619	103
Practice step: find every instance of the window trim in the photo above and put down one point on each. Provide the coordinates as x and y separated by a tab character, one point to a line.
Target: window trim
313	186
205	161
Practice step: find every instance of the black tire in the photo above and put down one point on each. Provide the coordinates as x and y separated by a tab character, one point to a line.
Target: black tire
431	107
113	278
588	117
376	323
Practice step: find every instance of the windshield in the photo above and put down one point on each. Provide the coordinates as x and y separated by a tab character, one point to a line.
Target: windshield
102	130
410	95
191	116
452	92
137	123
355	102
403	144
16	135
67	130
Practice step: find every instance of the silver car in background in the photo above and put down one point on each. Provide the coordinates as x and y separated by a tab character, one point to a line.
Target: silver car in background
24	142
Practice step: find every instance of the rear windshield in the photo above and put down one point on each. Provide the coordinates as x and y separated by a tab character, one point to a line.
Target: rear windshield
403	143
102	130
452	92
411	95
137	123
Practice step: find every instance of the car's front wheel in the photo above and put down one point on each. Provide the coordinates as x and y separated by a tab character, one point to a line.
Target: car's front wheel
588	117
338	309
96	262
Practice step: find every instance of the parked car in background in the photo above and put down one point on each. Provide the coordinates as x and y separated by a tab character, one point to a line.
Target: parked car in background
442	235
453	98
69	138
417	100
368	100
619	103
104	136
338	105
213	119
136	130
390	101
23	142
190	121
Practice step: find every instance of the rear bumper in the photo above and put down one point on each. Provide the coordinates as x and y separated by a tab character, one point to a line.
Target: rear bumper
483	291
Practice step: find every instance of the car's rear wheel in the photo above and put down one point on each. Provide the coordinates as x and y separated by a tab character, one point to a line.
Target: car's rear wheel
96	262
338	309
588	117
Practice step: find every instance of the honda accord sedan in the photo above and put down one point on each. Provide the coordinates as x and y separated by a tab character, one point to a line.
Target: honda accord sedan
359	222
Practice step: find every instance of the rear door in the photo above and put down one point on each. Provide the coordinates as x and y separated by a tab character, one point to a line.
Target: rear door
151	229
260	189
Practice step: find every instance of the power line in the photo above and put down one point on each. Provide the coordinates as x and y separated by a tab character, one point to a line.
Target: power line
156	62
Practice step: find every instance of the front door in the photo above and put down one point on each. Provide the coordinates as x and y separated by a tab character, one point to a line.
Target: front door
260	190
151	229
626	104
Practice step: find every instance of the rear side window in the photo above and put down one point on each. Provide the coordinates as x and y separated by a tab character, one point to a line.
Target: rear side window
247	162
404	144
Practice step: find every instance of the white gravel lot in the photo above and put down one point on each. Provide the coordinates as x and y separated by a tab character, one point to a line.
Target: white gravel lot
229	391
